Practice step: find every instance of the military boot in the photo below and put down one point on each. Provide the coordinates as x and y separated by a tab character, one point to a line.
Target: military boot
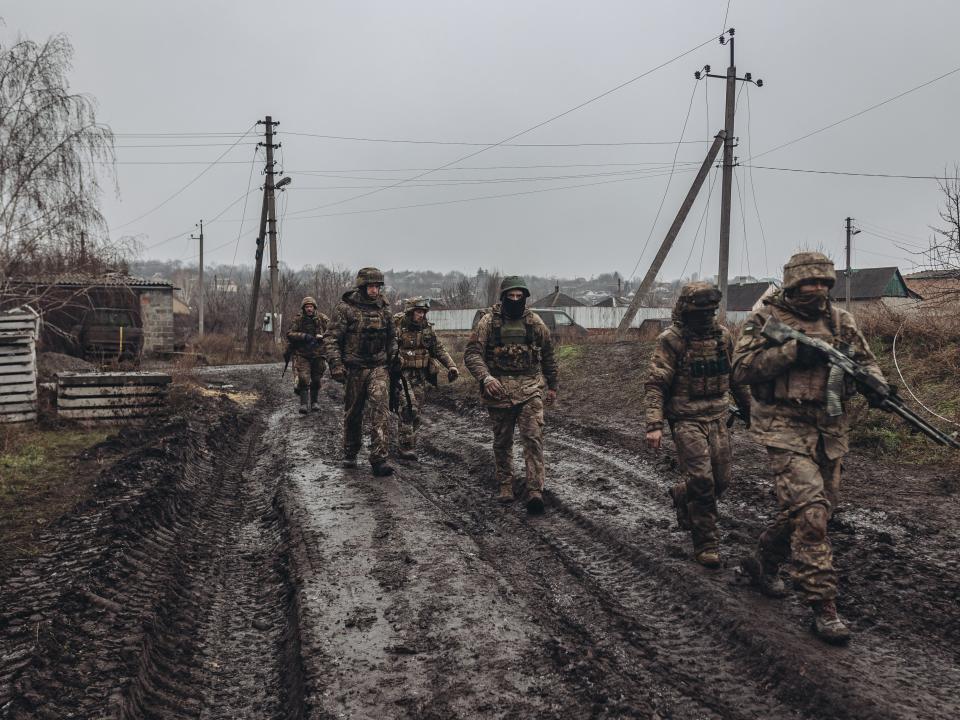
314	394
506	492
827	624
708	557
407	454
769	584
535	502
304	407
382	468
678	494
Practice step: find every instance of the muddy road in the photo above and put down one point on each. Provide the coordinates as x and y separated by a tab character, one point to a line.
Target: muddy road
229	568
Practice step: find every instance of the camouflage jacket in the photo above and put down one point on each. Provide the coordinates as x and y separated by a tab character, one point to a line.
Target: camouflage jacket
303	332
518	353
789	401
361	334
418	345
690	377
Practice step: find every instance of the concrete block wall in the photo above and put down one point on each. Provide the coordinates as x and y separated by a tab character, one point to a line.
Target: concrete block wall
156	309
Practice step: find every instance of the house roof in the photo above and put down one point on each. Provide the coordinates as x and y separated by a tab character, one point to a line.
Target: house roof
742	297
870	283
934	275
613	301
556	299
111	280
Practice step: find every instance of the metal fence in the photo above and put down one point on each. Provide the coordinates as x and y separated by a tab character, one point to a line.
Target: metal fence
590	317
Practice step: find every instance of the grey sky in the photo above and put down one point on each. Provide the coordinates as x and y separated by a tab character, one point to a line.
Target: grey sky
482	71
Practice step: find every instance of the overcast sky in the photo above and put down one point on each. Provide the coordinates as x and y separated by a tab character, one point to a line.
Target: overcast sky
480	72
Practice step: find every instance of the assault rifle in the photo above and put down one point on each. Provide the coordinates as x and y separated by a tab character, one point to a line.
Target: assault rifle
734	414
880	394
311	343
398	382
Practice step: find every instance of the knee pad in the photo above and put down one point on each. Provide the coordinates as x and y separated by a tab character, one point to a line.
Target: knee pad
811	524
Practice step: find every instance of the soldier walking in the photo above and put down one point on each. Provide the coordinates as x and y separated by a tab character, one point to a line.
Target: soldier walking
359	346
805	443
687	386
306	341
510	353
419	349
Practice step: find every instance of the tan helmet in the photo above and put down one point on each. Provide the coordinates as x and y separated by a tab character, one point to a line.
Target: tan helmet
699	295
369	276
308	301
808	266
416	303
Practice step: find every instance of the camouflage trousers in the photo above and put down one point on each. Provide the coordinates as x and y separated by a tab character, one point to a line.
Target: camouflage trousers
703	449
418	390
366	388
800	528
307	372
528	417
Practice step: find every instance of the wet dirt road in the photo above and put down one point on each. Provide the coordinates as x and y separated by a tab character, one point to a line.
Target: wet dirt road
245	574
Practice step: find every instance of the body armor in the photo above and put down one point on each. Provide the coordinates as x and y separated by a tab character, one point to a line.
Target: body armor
414	345
512	349
705	367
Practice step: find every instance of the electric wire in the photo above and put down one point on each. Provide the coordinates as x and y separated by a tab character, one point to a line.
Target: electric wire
488	145
743	221
857	114
243	215
524	132
666	190
849	173
696	234
753	188
725	16
184	188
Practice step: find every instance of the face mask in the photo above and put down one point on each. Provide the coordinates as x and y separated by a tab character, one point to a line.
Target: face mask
810	303
513	309
700	321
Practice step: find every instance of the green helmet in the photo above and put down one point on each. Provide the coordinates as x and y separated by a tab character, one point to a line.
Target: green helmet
699	295
808	266
369	276
514	282
416	303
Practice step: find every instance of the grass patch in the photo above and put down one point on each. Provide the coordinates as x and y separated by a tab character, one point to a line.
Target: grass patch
39	481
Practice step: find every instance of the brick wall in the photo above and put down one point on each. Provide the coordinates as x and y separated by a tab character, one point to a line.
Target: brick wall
156	309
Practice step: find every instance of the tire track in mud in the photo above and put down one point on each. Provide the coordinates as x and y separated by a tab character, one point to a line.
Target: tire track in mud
748	640
168	598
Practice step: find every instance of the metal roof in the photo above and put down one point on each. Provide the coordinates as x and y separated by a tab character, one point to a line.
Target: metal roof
112	280
870	283
556	299
742	297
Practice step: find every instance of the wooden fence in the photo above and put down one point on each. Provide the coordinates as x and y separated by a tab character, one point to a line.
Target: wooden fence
94	398
18	365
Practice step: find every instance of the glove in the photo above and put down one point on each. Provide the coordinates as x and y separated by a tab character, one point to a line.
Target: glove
874	399
809	356
338	374
452	374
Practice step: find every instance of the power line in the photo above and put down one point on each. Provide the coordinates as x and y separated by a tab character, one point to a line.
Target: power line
725	16
858	114
486	167
181	190
179	145
743	220
666	190
208	222
753	187
696	233
849	174
891	231
524	132
488	145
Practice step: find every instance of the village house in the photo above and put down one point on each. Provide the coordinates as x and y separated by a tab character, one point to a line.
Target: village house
875	289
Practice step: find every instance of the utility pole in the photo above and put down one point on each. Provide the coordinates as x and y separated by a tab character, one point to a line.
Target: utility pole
671	236
851	231
729	162
272	229
200	238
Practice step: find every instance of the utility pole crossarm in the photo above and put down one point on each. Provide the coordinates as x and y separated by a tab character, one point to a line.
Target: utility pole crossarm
671	236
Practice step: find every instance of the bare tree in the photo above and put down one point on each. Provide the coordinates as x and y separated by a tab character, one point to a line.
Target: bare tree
459	295
943	255
492	290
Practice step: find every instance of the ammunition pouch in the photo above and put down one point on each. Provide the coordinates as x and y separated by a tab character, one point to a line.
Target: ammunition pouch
706	367
512	350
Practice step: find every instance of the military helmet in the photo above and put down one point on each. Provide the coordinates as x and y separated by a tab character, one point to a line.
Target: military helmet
308	301
699	295
514	282
369	276
416	303
808	266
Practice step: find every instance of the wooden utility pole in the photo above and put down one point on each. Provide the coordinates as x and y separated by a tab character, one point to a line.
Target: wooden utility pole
200	281
729	161
272	231
671	236
851	231
257	270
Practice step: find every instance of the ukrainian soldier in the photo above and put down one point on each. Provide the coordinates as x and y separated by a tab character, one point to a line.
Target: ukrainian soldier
306	343
359	345
804	441
687	387
419	353
510	353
